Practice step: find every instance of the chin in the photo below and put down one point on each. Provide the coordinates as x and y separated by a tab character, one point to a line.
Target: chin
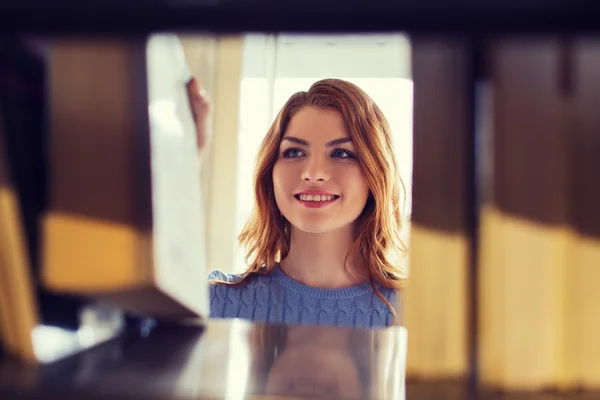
313	227
316	231
316	226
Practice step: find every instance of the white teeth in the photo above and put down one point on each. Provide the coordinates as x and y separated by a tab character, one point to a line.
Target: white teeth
315	197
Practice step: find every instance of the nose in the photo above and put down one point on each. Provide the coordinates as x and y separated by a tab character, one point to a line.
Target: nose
316	169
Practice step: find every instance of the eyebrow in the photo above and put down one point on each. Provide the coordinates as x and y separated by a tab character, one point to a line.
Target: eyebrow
334	142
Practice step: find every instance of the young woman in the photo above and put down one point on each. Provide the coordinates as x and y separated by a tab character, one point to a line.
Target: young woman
323	242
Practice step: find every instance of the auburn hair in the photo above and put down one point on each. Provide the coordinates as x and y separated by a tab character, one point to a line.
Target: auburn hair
266	235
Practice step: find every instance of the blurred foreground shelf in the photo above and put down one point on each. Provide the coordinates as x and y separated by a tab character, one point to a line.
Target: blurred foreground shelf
239	360
224	359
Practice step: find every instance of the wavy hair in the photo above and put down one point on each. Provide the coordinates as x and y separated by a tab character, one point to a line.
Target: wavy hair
266	236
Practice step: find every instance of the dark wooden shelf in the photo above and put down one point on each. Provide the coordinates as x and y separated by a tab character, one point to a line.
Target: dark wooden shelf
430	16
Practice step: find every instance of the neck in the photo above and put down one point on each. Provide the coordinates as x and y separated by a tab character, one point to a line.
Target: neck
317	259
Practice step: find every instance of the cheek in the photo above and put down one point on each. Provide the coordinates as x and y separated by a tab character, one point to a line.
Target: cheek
356	183
281	180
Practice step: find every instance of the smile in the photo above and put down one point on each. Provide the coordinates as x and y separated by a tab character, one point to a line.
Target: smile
316	200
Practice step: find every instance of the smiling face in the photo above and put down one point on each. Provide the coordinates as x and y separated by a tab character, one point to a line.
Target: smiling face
318	183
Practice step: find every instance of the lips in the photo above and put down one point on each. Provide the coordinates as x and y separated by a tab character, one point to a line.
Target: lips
316	198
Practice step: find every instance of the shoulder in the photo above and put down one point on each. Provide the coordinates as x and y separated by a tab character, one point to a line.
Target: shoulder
217	275
395	297
389	294
230	300
218	278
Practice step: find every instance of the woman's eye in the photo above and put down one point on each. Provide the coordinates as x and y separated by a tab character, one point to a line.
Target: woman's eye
292	153
339	153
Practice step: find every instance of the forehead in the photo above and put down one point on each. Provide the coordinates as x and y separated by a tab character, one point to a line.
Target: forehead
312	123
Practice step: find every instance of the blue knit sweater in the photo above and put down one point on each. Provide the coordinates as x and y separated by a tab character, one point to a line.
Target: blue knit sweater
277	298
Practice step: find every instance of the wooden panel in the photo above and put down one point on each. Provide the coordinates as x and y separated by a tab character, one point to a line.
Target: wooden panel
540	227
524	230
18	308
582	268
97	218
435	311
124	215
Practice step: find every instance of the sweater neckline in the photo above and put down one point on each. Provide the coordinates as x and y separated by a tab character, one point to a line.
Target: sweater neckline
318	293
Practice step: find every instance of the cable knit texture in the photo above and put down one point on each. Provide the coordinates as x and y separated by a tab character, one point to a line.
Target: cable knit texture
277	298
